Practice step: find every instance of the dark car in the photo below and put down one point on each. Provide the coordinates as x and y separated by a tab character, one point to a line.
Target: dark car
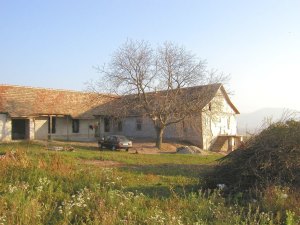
115	142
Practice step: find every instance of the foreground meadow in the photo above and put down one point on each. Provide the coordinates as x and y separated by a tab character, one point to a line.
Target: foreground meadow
87	186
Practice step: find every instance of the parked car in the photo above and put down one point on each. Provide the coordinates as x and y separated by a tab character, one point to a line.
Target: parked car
115	142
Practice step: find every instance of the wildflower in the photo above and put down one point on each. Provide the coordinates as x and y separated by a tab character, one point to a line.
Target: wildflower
2	220
12	189
221	186
78	200
43	182
284	196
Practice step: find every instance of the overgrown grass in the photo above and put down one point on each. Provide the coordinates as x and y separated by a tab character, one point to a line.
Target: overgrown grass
44	187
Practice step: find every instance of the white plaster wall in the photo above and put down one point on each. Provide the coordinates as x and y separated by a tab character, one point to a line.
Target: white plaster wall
41	128
188	130
85	133
129	128
225	124
112	128
222	122
31	129
5	127
147	131
191	131
64	130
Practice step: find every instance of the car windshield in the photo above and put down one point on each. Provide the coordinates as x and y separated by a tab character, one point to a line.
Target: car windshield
122	138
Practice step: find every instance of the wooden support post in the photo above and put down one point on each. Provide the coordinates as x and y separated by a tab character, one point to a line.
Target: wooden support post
67	128
50	129
31	128
230	144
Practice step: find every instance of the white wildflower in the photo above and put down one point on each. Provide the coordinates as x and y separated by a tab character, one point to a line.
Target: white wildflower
12	189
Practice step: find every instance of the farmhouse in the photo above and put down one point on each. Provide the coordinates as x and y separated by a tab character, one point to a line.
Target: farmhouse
40	114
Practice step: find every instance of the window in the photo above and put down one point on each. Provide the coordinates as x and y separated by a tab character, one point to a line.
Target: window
97	129
207	121
220	119
53	131
75	126
209	106
228	122
184	128
120	126
106	124
139	122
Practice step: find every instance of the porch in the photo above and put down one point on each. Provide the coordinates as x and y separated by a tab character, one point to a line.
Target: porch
226	143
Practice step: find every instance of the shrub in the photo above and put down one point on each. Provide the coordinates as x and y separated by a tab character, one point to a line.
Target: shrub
271	158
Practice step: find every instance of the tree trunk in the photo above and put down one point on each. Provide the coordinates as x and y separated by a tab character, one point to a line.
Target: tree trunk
159	136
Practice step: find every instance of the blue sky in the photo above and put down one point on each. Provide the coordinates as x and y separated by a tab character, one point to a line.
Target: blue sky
56	43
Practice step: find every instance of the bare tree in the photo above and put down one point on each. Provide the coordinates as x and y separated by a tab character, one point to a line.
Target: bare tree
154	82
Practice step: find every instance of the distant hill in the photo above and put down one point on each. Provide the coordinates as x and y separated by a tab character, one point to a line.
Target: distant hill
253	122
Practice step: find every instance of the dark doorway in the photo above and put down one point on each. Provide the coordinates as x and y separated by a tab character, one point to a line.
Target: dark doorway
106	124
20	128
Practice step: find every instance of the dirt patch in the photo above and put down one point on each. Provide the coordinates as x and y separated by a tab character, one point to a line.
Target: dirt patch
140	146
148	147
103	163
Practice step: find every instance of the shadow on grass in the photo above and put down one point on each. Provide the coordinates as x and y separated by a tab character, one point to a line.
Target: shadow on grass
95	148
160	191
191	171
164	190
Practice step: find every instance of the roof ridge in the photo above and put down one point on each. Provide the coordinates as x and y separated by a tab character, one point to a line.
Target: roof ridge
204	85
183	88
52	89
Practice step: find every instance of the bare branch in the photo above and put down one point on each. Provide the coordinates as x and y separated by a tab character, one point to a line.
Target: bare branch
155	81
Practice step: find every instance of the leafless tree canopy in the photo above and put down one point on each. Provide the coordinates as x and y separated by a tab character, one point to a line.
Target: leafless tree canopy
154	81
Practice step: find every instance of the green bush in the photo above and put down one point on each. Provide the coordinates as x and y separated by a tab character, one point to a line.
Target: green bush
269	159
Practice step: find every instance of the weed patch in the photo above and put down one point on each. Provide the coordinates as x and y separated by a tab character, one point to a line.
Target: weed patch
42	187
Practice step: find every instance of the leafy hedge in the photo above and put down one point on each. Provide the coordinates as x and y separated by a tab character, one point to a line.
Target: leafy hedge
267	159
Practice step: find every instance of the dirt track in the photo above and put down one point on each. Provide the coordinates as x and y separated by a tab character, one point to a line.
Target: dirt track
139	146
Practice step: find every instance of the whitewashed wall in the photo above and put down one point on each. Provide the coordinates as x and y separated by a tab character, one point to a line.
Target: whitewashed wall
129	128
189	130
5	128
147	131
41	128
222	122
31	129
85	133
64	129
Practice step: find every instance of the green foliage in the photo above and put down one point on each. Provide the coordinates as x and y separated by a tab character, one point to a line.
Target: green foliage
291	218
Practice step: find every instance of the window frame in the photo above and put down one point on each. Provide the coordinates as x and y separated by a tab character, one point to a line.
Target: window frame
107	123
139	124
53	131
120	126
75	126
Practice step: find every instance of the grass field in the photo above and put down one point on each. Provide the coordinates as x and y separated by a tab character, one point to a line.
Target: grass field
92	187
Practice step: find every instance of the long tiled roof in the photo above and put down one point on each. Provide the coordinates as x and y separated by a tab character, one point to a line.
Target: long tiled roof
203	94
19	101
